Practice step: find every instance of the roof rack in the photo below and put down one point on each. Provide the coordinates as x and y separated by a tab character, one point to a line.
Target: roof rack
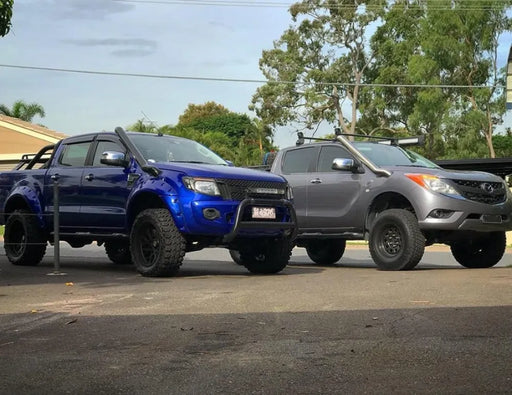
401	141
301	138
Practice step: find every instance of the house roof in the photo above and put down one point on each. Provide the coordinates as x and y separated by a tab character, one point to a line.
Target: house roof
18	137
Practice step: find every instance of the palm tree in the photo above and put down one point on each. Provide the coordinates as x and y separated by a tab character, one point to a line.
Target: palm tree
24	111
142	126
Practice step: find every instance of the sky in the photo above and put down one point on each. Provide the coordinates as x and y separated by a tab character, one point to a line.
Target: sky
152	37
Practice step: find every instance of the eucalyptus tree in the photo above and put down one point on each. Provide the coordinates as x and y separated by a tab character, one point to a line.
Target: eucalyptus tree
24	111
400	70
440	61
316	69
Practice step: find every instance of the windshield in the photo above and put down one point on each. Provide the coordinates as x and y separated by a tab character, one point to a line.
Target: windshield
157	148
391	155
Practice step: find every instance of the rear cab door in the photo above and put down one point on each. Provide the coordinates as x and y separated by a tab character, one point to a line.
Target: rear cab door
296	166
67	171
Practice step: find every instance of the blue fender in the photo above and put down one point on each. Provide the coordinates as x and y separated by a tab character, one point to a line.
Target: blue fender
31	199
158	188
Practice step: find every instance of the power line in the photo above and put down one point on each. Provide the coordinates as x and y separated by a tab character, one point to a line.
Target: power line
210	2
243	80
432	5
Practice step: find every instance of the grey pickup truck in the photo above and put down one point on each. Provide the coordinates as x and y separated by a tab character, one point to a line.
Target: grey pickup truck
396	199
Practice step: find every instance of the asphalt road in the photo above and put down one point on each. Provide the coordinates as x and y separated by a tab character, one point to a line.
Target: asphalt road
216	329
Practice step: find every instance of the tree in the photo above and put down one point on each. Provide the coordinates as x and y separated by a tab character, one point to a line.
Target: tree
5	16
194	112
395	102
318	64
231	124
446	44
248	139
142	126
503	145
467	56
24	111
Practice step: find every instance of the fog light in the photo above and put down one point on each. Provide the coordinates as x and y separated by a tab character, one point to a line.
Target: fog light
211	213
440	213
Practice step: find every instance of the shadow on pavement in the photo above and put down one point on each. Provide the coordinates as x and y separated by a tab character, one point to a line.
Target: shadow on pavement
101	272
436	350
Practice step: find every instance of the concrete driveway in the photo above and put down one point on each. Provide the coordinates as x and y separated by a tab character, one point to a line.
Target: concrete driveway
215	328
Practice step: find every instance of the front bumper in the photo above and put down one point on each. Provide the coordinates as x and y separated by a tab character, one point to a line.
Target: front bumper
470	216
241	225
233	219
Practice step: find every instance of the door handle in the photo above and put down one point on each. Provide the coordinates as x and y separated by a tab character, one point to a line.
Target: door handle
316	181
55	177
89	177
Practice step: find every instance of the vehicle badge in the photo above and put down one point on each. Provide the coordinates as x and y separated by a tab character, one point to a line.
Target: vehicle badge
487	187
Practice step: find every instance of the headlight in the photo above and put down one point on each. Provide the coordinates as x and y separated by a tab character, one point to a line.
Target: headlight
206	186
289	193
433	183
508	189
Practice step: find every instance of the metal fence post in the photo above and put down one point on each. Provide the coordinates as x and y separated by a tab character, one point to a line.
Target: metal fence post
56	226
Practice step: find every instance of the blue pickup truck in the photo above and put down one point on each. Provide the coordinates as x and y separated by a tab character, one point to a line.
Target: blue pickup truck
148	199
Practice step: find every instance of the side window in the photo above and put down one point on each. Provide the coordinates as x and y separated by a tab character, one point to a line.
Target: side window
102	147
298	161
328	154
75	154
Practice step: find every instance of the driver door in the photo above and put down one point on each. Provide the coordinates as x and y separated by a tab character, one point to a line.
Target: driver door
332	194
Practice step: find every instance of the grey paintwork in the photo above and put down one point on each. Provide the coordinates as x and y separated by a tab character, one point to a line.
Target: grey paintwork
341	203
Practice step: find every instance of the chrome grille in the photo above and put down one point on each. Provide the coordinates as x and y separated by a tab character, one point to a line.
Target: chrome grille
481	191
240	189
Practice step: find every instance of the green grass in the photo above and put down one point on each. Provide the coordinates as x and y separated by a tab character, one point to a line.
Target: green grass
1	230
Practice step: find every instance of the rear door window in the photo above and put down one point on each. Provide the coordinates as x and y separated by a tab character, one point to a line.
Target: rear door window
74	155
298	160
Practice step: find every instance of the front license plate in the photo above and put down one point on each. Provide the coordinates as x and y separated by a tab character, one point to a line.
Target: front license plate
264	212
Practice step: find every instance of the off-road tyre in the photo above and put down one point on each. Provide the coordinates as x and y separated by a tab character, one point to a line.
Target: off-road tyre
325	251
267	256
235	255
24	240
118	251
156	245
481	251
396	241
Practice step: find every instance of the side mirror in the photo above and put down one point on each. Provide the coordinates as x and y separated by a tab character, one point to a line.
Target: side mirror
114	158
344	164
